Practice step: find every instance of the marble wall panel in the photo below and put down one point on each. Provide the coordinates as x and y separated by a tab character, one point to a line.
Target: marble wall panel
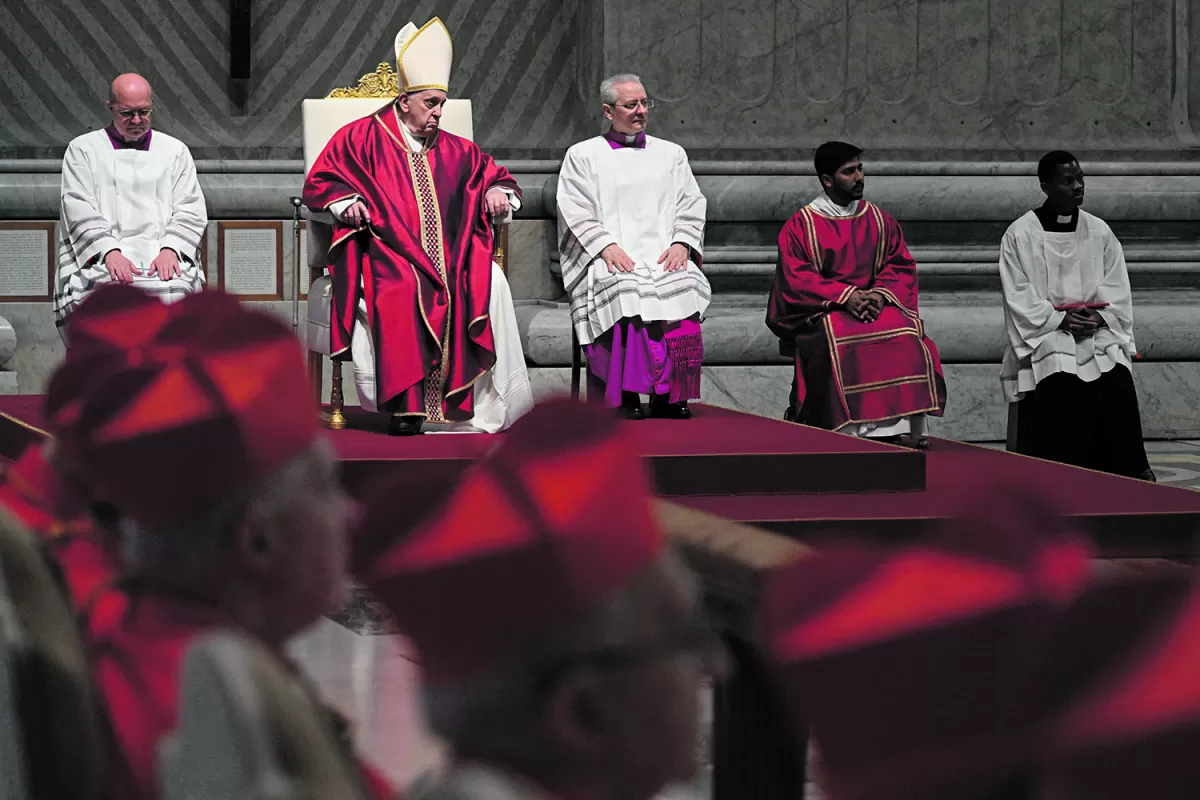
967	75
750	76
812	47
1035	39
1106	43
740	35
962	49
886	32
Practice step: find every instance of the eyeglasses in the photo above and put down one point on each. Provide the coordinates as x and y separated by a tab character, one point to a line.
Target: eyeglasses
144	113
647	104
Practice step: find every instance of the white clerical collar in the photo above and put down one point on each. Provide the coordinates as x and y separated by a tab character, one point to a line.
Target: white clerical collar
823	205
1064	220
414	143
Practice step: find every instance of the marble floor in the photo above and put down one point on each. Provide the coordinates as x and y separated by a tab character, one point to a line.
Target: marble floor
369	672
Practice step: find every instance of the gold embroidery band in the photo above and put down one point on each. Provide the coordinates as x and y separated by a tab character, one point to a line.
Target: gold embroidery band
890	382
814	245
432	244
881	244
875	336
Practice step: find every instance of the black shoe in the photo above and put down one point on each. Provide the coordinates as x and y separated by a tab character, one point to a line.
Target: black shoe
405	426
660	408
1148	475
631	406
792	414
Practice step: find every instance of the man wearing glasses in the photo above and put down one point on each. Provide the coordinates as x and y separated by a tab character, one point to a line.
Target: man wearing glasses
132	210
631	235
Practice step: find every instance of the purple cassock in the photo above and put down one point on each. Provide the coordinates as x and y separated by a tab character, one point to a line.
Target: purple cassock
647	358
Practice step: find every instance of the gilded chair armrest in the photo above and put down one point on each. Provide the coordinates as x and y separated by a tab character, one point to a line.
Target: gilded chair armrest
502	219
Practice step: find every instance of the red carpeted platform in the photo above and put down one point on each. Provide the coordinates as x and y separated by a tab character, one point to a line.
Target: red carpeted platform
716	452
1129	518
803	482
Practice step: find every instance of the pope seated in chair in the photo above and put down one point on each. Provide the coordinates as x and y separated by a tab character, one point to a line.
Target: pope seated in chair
414	285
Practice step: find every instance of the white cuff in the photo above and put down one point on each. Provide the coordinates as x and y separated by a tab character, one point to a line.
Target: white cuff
338	207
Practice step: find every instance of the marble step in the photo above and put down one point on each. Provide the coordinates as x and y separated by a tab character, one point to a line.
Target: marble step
968	327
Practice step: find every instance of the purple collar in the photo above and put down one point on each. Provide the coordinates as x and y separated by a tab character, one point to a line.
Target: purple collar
120	144
618	140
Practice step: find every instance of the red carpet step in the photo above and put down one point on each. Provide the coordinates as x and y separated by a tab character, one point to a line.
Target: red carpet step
717	452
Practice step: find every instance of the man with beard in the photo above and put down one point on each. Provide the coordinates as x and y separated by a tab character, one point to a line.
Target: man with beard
844	302
1068	313
631	235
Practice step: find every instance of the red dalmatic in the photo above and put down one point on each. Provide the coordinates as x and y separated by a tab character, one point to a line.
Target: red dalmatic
423	263
849	371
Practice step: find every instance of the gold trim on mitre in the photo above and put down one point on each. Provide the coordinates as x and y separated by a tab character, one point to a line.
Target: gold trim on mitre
383	82
423	56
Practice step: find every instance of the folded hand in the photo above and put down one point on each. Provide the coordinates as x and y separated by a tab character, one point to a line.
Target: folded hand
863	306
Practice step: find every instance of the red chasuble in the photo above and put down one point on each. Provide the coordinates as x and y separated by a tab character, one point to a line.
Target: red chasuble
423	264
849	371
37	496
138	643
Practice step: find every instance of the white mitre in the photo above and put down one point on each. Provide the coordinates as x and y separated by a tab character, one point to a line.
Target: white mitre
423	57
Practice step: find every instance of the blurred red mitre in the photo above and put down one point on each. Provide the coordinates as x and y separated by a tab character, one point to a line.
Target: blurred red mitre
916	666
164	411
545	527
1131	676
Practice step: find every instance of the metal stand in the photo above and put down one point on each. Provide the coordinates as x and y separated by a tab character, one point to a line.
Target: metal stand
297	204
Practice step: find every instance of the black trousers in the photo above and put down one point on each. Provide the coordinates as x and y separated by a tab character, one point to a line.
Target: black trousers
1096	425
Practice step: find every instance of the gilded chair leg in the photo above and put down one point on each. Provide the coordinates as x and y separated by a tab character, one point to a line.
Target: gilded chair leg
337	421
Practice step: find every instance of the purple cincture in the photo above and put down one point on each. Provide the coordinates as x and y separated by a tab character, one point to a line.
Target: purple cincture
120	144
618	140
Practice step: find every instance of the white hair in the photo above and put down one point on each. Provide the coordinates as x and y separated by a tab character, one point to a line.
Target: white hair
608	86
200	545
498	707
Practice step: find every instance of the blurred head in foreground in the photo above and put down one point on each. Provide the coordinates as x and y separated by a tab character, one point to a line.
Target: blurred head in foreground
191	421
559	638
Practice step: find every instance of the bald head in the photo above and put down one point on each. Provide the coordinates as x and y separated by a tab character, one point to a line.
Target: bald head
130	102
130	88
